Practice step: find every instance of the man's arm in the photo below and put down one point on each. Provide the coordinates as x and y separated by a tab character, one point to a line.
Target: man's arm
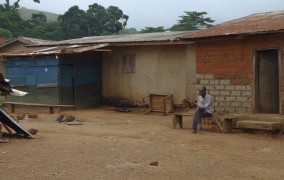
208	101
199	105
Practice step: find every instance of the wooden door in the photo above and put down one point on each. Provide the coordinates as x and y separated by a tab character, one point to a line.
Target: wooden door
267	77
67	84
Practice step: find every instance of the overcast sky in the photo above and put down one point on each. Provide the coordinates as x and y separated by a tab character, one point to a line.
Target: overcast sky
154	13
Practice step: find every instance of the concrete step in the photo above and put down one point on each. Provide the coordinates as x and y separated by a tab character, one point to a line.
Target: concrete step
263	125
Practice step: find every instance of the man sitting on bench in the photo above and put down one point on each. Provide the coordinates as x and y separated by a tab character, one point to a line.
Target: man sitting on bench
204	108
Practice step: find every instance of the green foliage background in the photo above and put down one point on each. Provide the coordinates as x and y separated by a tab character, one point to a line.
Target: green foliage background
76	23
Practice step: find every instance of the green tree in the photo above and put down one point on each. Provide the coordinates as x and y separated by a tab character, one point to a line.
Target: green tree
38	19
96	17
51	31
193	20
116	20
35	21
15	5
11	20
97	20
74	23
128	31
5	33
153	29
105	20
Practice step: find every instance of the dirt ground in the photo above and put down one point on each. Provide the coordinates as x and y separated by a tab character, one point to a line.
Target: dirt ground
116	145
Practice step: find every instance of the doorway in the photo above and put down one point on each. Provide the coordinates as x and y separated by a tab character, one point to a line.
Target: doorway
81	79
267	82
67	84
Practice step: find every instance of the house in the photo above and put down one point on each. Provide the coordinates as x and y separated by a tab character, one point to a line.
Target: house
2	40
241	63
86	70
17	44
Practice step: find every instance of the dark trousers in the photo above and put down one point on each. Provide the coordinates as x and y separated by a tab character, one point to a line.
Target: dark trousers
197	117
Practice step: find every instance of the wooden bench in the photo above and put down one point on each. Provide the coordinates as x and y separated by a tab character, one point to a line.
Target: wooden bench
214	119
177	119
50	106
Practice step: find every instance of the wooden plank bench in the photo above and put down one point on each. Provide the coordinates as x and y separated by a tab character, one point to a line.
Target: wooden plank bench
177	119
214	119
50	106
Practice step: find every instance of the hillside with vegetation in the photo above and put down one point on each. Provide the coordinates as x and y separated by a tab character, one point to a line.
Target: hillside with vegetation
97	20
26	14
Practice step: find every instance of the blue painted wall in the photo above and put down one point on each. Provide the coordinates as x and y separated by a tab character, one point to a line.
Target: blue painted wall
68	79
30	74
32	71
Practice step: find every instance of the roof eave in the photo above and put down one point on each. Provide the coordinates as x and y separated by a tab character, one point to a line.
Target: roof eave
10	41
232	36
119	43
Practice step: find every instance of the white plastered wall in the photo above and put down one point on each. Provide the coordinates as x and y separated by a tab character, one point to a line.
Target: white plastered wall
160	69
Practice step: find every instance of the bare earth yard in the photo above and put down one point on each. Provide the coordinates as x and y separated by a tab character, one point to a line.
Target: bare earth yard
115	145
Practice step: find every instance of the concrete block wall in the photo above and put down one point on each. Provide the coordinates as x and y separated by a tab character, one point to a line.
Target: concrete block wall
228	96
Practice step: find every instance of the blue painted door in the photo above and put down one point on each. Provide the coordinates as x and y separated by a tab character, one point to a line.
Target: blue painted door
86	80
87	91
67	84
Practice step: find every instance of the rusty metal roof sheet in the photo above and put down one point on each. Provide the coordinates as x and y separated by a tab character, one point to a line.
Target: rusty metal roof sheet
125	38
31	41
2	40
54	50
96	43
25	40
268	22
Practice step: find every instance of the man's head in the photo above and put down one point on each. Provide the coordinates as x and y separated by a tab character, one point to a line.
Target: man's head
202	91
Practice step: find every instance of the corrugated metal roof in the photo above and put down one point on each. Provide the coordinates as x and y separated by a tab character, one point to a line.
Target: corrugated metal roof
267	22
125	38
25	40
2	40
95	43
54	50
31	41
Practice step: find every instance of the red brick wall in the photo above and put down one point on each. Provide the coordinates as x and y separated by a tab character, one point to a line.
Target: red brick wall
223	57
231	62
